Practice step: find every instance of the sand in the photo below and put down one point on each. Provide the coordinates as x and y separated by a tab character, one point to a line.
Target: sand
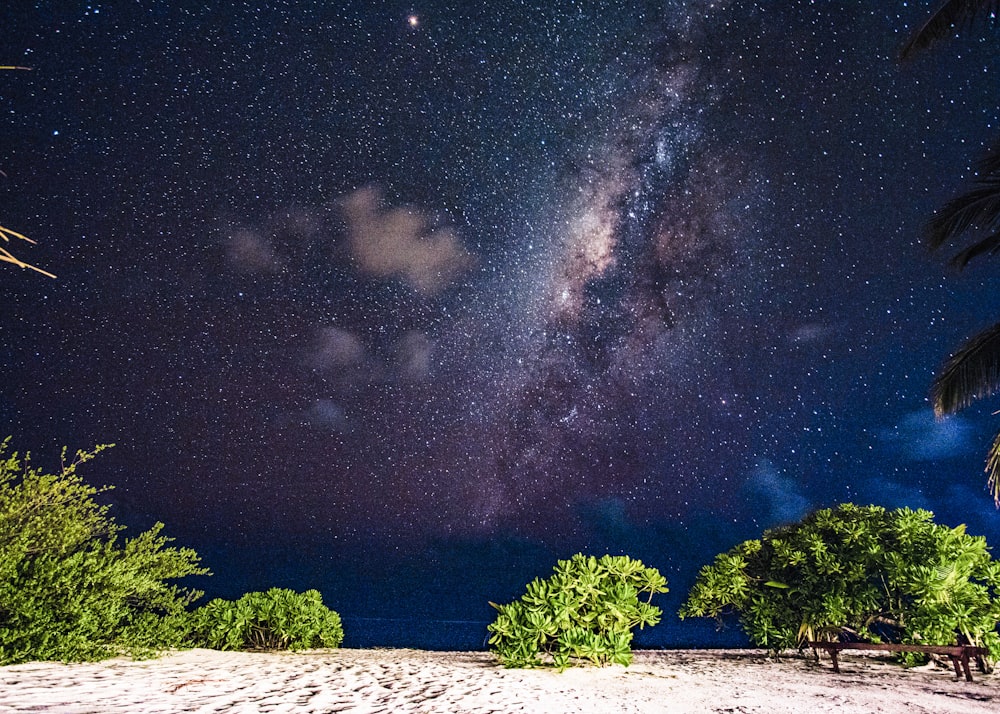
399	680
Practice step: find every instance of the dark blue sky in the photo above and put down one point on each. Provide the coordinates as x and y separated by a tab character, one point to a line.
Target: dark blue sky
404	302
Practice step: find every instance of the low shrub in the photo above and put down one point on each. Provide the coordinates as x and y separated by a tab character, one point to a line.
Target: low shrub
585	611
278	619
856	572
69	589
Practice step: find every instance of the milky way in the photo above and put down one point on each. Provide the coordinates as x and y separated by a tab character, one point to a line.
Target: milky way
641	236
647	236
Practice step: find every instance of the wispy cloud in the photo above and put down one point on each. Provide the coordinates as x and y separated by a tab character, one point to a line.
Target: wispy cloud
921	437
325	414
402	242
413	353
249	252
775	497
335	348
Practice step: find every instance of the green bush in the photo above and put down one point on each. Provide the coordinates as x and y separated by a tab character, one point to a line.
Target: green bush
278	619
585	611
857	572
69	590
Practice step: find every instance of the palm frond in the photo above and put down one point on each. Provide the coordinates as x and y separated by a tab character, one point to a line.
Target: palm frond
952	16
993	470
990	244
972	373
976	208
7	257
990	163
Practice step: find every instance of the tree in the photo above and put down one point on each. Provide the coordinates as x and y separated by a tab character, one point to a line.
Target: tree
6	233
856	572
973	371
69	588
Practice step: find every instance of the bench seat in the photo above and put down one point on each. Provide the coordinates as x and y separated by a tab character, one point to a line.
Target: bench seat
959	654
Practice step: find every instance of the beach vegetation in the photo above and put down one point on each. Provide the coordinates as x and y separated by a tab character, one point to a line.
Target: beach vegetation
70	588
856	573
278	619
584	612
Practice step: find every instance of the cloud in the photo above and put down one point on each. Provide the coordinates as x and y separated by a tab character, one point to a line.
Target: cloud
921	437
954	496
251	253
414	352
970	503
341	352
889	493
335	348
325	414
321	413
812	332
776	498
402	243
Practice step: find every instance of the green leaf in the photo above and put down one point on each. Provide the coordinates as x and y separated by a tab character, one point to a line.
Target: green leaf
865	566
584	611
69	588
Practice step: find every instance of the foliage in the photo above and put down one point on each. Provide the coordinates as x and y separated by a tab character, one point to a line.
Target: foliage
69	590
976	211
585	611
278	619
856	572
973	371
941	25
7	257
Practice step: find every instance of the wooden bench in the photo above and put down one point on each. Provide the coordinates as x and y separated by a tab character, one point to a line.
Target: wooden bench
959	654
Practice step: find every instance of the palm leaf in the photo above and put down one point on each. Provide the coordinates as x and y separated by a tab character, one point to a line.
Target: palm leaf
7	257
977	208
993	470
990	244
970	374
952	16
990	164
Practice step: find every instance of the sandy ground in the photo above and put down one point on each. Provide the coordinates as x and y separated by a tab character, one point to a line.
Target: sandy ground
399	680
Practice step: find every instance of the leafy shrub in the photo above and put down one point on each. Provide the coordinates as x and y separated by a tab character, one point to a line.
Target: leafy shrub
585	611
278	619
857	572
68	589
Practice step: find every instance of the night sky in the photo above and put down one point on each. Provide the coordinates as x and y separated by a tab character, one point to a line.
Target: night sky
404	302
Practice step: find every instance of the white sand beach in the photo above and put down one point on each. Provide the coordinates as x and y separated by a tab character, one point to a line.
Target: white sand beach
402	680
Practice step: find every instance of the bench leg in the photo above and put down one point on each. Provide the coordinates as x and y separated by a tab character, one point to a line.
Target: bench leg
965	666
833	656
954	663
